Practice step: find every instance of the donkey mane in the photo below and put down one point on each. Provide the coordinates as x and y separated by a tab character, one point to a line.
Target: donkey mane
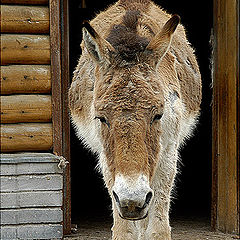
125	39
135	4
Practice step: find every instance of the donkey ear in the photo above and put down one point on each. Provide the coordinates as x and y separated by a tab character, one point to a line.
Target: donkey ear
97	47
162	40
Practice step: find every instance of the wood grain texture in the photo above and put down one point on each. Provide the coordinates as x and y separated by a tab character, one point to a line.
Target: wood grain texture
225	206
26	137
24	19
25	79
26	108
25	2
25	49
59	34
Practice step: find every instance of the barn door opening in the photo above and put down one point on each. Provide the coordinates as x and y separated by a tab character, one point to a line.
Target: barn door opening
193	184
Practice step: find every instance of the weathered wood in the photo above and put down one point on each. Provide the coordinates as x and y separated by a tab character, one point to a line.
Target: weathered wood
24	19
28	2
31	183
26	137
31	199
26	108
59	28
25	79
25	49
225	205
38	231
31	215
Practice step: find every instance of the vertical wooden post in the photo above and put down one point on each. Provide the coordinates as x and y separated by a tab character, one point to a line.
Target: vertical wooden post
225	190
60	84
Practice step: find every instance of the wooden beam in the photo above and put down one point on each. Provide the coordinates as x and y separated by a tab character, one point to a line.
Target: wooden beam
26	137
60	84
24	19
25	79
26	108
225	191
25	2
25	49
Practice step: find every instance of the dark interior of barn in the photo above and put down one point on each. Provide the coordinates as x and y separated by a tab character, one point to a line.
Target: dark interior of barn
193	185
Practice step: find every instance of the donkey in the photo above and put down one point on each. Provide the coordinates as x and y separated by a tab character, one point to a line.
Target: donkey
135	98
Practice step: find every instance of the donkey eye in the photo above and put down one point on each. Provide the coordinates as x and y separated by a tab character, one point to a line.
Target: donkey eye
103	120
157	117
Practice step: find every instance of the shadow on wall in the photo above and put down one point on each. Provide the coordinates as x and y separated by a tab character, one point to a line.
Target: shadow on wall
193	185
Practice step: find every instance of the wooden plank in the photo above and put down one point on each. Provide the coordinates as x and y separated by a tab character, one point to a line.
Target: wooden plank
31	215
26	137
59	34
28	157
25	79
29	168
31	183
31	199
38	231
25	49
24	2
26	108
225	117
24	19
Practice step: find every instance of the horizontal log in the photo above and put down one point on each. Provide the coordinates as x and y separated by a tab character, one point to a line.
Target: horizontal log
25	79
26	137
25	49
26	108
29	2
24	19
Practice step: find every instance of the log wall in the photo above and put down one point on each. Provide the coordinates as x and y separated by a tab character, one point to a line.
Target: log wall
31	203
24	19
26	101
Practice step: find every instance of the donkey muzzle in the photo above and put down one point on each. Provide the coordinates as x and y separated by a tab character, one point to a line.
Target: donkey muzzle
132	197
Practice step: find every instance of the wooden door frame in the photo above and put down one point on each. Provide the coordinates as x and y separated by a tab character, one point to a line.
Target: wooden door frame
59	41
225	117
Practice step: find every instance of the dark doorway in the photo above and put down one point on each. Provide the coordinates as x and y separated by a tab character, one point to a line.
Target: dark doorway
193	184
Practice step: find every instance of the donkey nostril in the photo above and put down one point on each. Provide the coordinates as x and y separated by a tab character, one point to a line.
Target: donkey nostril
116	197
148	199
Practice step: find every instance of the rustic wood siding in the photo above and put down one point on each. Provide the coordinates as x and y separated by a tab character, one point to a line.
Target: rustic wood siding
31	202
26	108
31	196
225	190
24	19
26	101
25	79
27	136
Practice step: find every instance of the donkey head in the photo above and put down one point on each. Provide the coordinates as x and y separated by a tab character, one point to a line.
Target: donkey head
128	107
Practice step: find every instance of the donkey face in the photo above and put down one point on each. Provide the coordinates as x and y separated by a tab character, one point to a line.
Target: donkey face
128	105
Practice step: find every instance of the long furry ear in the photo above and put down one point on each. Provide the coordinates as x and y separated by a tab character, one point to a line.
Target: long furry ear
97	47
162	40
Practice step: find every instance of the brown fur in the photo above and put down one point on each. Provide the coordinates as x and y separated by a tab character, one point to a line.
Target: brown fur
132	71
